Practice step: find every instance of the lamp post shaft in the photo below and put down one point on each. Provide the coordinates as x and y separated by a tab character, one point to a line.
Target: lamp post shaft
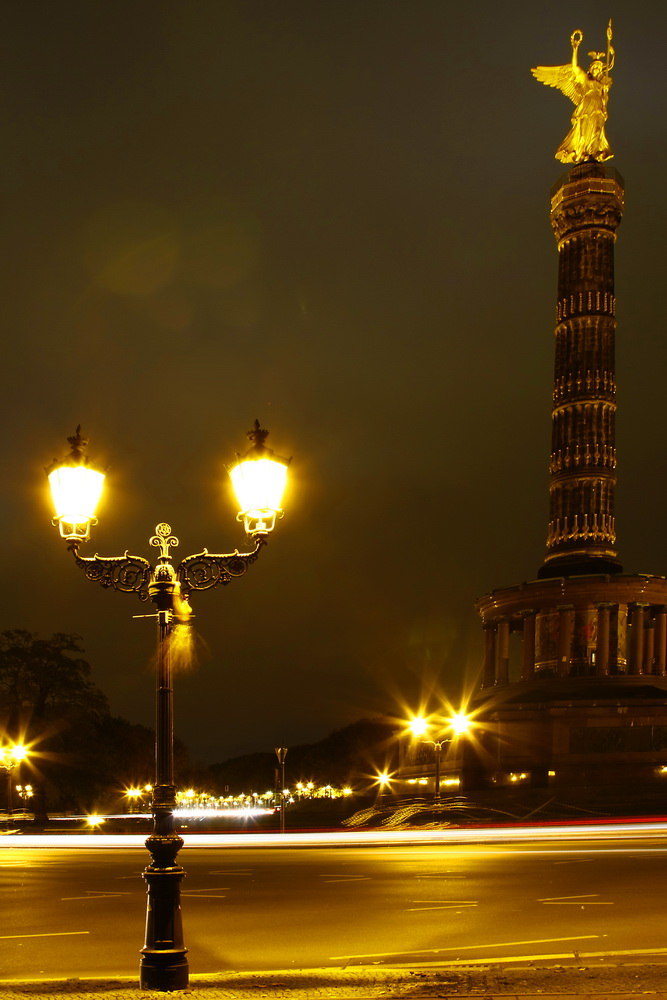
281	753
282	795
438	752
164	965
164	709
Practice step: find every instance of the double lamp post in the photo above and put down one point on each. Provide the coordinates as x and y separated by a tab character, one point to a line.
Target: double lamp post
456	726
10	756
259	478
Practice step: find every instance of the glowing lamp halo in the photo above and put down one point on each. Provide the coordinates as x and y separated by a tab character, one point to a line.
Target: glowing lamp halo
259	479
459	723
76	488
418	726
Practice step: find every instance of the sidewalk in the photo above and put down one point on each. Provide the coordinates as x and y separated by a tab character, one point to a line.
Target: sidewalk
421	982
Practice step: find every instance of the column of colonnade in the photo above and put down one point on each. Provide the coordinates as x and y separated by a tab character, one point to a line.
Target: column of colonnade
637	616
528	645
646	644
603	634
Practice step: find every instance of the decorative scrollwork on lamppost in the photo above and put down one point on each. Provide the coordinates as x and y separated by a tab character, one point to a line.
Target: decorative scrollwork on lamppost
259	478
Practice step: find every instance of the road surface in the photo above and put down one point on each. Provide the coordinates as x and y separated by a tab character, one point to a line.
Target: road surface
79	911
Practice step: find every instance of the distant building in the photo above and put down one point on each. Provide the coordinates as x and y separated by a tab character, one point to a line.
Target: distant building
574	686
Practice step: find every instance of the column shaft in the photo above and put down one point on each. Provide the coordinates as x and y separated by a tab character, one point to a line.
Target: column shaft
649	647
661	640
503	662
602	646
636	663
528	646
586	209
489	675
564	640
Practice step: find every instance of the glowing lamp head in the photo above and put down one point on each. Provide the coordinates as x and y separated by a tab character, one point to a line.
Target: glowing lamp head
76	486
418	726
10	756
259	478
460	723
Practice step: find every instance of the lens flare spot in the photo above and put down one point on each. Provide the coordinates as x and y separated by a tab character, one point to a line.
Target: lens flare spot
131	248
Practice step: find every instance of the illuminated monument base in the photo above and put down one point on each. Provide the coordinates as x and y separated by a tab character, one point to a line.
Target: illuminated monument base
574	687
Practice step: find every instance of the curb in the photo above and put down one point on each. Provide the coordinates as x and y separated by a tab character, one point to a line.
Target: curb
493	982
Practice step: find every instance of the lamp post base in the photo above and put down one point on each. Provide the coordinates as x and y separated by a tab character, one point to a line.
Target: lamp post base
164	965
164	971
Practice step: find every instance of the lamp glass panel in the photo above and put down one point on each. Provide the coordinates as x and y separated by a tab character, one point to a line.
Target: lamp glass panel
259	484
76	491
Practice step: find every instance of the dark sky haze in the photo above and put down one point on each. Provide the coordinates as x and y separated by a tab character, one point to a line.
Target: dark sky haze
331	216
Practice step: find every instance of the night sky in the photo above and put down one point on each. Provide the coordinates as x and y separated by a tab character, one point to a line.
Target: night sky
331	216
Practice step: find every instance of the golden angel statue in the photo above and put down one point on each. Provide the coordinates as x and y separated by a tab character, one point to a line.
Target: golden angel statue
589	92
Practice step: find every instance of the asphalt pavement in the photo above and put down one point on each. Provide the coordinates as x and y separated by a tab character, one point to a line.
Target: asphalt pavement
580	981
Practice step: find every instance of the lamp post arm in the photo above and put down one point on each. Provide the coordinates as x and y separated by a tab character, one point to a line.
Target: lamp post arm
204	570
436	744
127	574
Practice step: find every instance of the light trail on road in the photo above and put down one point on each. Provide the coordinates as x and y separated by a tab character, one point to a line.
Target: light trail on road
476	947
354	838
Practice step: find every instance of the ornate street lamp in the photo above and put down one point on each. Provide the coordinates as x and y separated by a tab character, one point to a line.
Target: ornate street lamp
457	724
10	756
259	477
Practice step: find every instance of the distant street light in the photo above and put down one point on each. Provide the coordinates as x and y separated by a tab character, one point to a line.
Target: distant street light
457	724
259	478
10	756
26	792
134	797
281	753
383	783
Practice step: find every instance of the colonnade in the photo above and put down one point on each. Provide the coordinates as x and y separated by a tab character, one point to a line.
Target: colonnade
626	639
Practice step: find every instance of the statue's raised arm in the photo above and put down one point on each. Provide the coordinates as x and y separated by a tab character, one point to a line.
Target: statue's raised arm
589	92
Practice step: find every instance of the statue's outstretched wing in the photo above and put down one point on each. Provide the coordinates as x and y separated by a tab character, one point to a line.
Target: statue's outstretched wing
568	79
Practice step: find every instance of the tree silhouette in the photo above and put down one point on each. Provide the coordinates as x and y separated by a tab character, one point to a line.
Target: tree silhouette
82	758
48	701
45	681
